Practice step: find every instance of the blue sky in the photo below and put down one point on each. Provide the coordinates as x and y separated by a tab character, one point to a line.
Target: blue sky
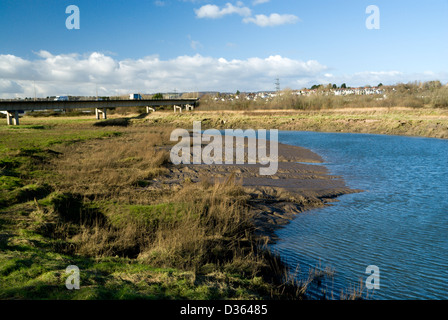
190	45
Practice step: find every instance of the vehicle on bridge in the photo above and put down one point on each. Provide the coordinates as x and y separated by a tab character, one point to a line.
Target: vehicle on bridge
61	98
135	96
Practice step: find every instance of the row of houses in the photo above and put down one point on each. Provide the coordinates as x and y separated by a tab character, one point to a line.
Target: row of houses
342	91
255	96
358	91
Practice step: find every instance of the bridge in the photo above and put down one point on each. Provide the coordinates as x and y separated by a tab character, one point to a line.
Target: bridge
14	107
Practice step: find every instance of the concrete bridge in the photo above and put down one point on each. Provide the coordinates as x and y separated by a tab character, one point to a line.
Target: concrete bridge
14	107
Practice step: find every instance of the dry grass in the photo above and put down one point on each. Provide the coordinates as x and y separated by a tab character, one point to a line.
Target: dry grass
107	169
427	122
213	227
104	205
206	224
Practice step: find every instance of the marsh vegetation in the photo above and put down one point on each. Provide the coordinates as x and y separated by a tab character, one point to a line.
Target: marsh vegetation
73	193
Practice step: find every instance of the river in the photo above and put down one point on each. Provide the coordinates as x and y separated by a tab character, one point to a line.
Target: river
399	223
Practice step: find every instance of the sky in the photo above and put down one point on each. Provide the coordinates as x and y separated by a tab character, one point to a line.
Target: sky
150	46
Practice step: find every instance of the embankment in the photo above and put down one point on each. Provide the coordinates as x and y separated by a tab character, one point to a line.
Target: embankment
394	121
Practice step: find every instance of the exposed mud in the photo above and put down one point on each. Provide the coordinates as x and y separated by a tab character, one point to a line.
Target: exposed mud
301	183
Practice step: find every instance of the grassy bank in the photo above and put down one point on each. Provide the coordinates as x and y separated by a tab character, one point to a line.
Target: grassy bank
425	122
76	193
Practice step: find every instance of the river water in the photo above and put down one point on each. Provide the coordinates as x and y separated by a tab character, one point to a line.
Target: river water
399	223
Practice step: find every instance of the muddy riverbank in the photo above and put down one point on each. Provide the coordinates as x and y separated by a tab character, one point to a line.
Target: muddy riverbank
301	183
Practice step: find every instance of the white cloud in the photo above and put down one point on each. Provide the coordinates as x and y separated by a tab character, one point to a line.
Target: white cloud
256	2
76	74
8	86
195	45
274	19
12	66
212	11
81	74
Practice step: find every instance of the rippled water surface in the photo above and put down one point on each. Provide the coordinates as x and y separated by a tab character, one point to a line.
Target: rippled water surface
400	222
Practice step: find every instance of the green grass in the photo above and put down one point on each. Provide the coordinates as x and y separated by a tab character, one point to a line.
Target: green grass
26	148
36	273
60	131
33	274
29	268
40	223
32	268
148	215
9	183
25	127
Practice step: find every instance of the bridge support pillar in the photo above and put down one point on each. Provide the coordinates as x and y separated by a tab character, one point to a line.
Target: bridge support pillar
16	118
99	111
8	118
178	108
12	118
150	109
189	107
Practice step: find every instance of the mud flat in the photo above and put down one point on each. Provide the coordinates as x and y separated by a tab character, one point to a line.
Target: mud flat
302	182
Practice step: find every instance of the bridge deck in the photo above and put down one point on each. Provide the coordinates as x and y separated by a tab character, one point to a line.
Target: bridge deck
12	108
17	105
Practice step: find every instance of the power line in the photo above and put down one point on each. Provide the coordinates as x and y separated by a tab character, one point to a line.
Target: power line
277	84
